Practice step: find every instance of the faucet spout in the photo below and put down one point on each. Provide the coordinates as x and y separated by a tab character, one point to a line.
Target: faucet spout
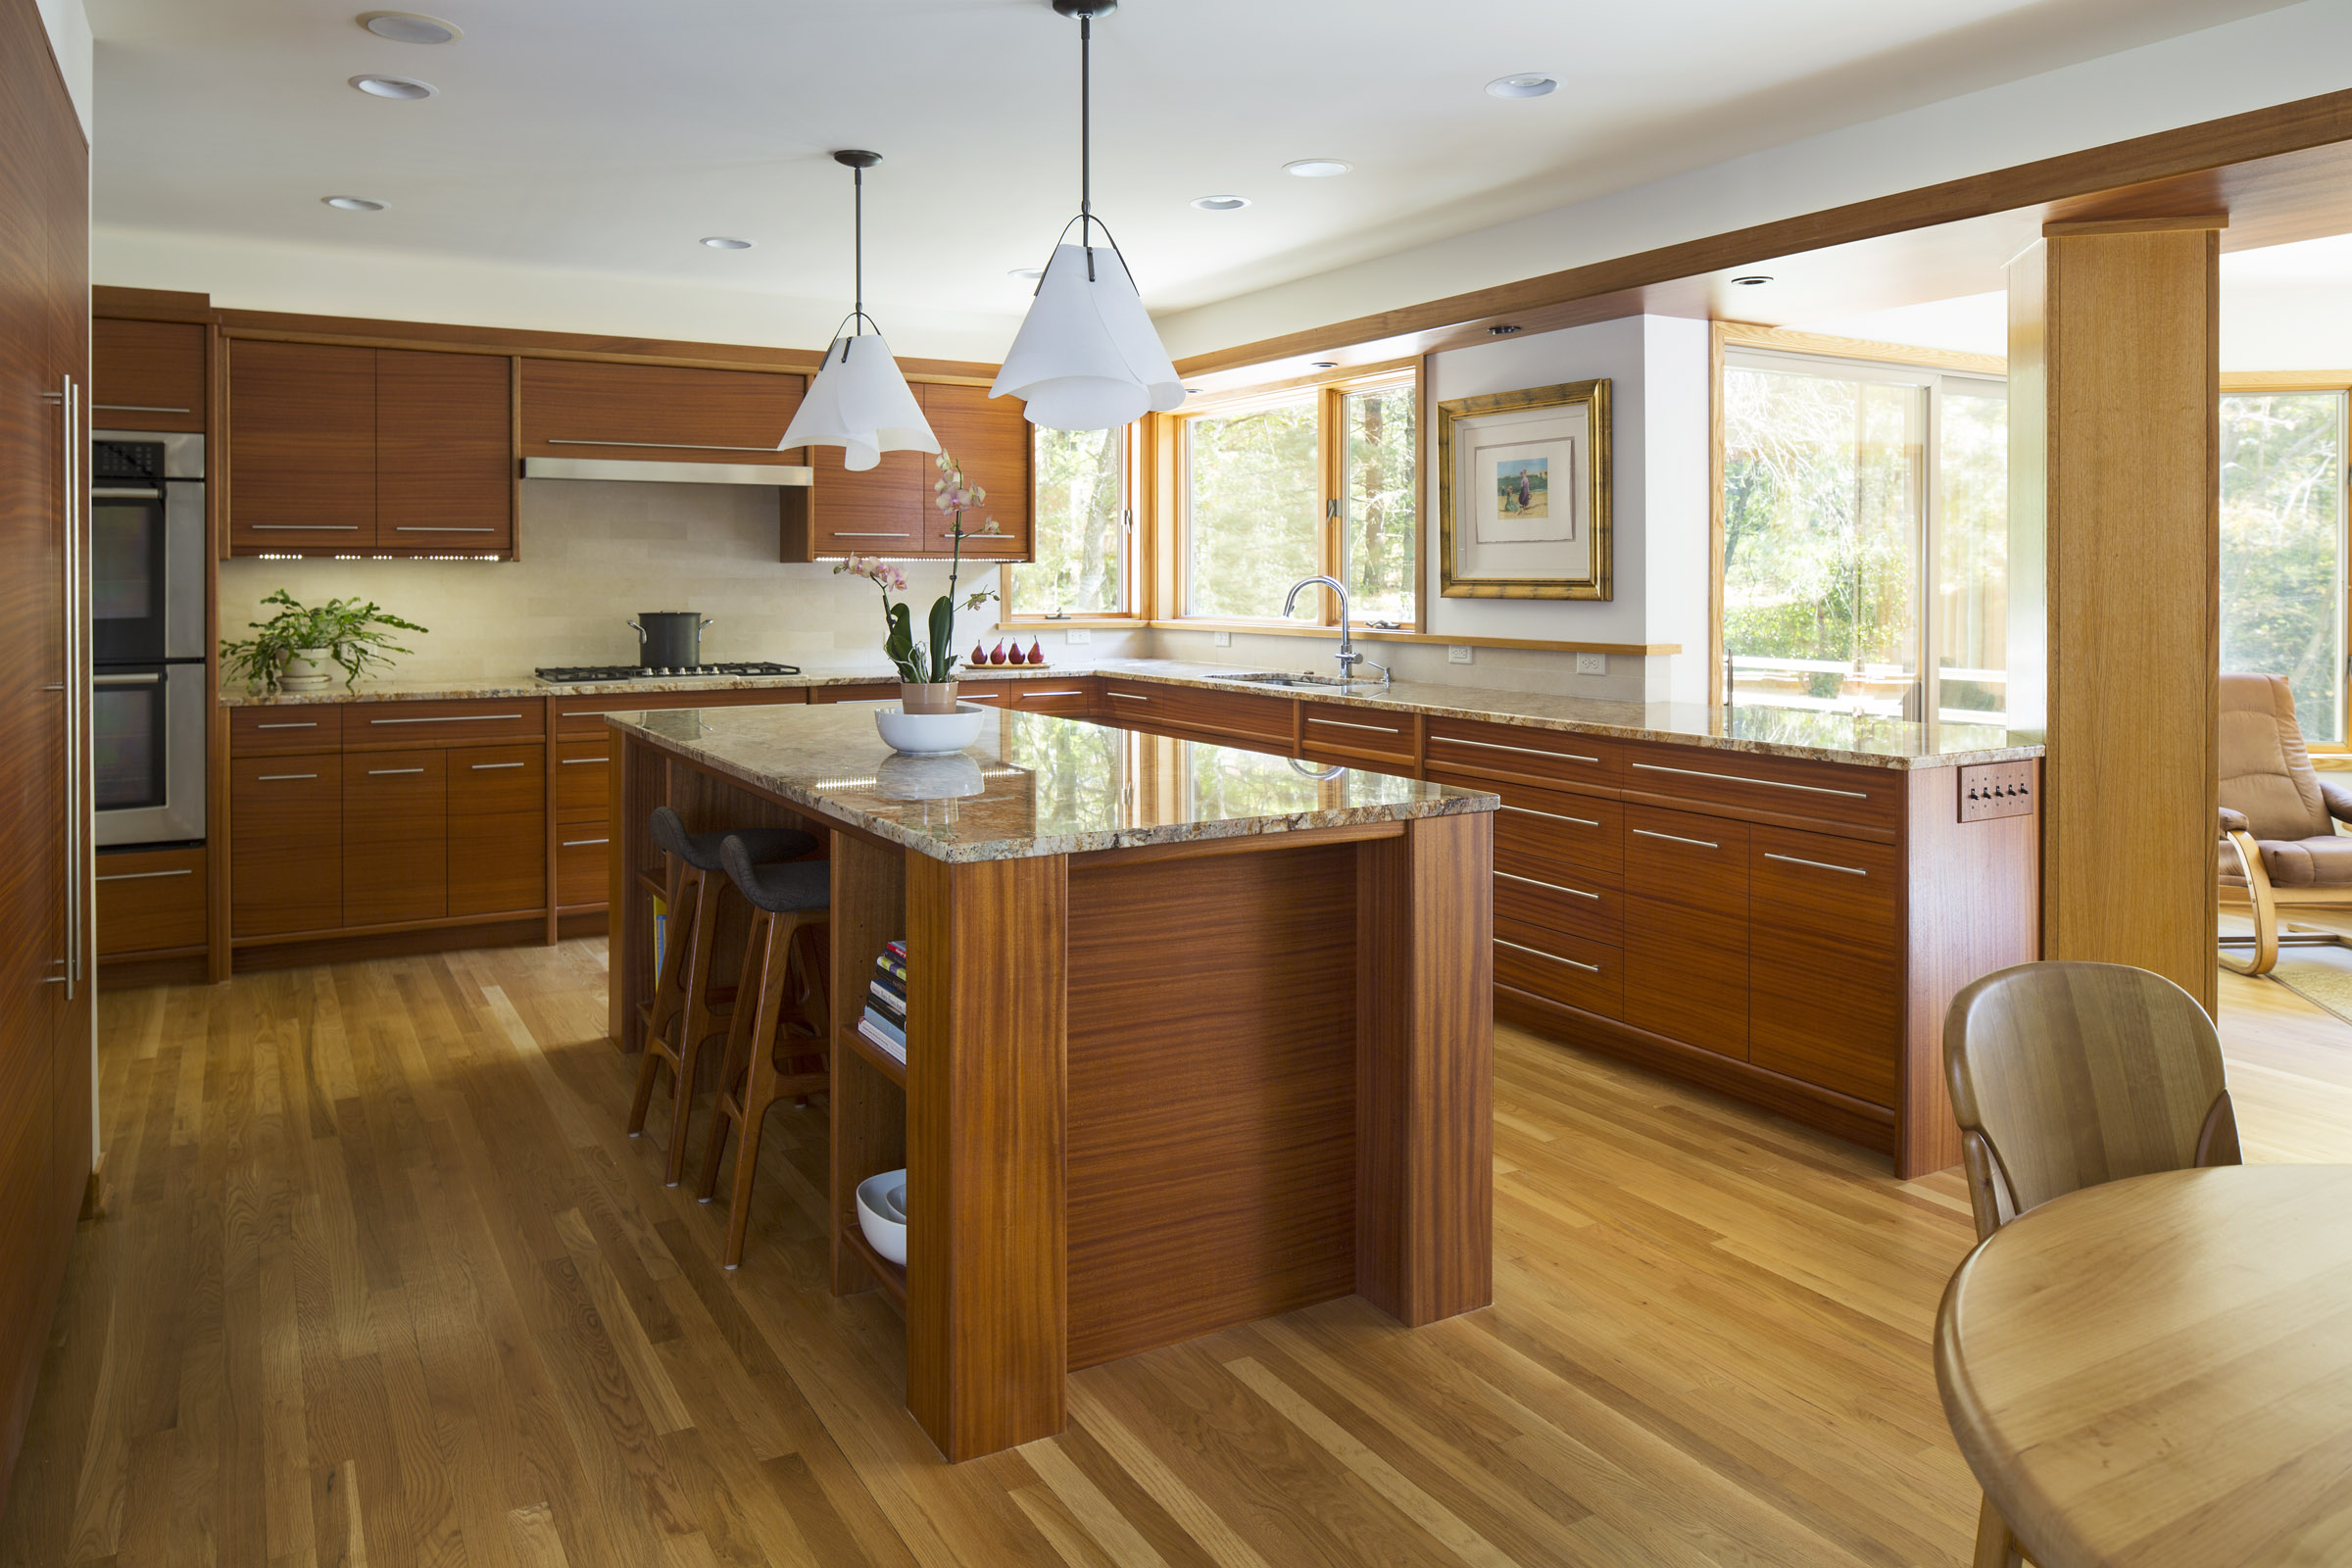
1348	657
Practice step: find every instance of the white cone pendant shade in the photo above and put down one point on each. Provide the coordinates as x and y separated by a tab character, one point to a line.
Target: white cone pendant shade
1087	358
861	403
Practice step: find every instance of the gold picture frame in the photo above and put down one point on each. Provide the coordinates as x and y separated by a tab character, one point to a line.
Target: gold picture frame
1531	546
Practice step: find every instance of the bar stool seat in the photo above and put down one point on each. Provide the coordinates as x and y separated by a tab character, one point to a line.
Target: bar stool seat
779	1041
683	995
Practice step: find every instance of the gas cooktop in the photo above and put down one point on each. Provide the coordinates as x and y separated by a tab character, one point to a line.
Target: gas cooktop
572	674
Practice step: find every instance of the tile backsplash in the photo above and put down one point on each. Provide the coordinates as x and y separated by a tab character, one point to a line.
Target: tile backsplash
594	553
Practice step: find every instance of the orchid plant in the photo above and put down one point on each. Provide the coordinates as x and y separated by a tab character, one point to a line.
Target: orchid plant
934	662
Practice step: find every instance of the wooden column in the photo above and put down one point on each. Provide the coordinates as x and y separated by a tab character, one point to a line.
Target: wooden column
2114	582
987	1293
1425	1069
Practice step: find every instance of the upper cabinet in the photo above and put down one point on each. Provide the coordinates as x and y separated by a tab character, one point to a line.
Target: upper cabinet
887	509
146	375
655	412
332	449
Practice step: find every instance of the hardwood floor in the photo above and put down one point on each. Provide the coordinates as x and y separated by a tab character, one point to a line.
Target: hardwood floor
384	1283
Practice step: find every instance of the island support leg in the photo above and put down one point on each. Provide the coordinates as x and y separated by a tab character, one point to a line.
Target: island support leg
987	1287
1425	1069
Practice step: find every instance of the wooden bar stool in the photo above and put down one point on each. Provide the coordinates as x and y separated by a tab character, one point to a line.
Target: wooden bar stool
782	1037
683	995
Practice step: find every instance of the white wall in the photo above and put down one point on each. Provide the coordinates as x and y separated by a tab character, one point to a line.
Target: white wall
70	40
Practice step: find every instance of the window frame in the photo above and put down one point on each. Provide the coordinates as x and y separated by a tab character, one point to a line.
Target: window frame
1134	577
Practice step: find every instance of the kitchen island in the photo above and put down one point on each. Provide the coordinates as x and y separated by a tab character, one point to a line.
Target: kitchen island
1196	1034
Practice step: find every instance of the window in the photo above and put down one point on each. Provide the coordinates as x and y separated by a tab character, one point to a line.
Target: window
1311	481
1840	480
1079	513
2282	548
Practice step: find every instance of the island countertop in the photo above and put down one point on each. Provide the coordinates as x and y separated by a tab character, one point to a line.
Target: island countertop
1033	784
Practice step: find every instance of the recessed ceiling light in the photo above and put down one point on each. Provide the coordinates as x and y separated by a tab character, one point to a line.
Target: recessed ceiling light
1323	365
1027	275
1752	279
1220	204
1504	329
727	242
353	204
1316	167
1528	84
395	87
407	26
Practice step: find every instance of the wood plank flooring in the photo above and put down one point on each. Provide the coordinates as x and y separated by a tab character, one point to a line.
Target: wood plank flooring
384	1284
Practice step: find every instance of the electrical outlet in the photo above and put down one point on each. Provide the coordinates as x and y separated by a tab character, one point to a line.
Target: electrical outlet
1223	639
1458	653
1079	634
1592	664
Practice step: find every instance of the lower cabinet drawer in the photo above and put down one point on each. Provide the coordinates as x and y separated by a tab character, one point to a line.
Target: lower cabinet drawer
1825	970
1561	968
1556	896
583	780
583	866
150	899
497	830
285	844
1585	831
1368	732
1068	699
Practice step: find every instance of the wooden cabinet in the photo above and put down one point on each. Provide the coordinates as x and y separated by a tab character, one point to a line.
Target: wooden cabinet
147	375
882	511
1685	928
1363	736
333	449
395	837
280	730
1238	718
1825	960
285	869
497	830
150	902
655	412
888	509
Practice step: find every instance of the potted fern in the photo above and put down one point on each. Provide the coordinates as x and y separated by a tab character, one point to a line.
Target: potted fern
298	648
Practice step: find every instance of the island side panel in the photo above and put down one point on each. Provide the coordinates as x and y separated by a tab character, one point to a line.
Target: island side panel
987	1314
1424	1064
643	784
869	1111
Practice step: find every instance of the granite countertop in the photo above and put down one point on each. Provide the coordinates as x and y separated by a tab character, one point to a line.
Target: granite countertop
1856	740
1033	784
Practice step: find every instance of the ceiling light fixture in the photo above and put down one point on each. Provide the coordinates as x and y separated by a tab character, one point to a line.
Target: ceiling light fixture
1317	168
407	26
395	87
727	242
1527	84
1220	204
353	204
1503	329
1323	365
860	402
1087	357
1027	275
1752	279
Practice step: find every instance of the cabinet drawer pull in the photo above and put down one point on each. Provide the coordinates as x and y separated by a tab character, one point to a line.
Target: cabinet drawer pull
127	680
141	876
380	772
663	446
573	844
126	493
139	408
981	697
1819	865
300	527
308	724
418	528
483	767
1677	838
581	761
1553	816
1128	696
282	778
449	718
1740	778
1052	694
1523	751
1573	963
1341	723
1555	887
863	533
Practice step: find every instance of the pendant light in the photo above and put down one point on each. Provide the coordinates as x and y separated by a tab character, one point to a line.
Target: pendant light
1087	358
859	400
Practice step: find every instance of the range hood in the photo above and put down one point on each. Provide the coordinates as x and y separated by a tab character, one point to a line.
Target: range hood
776	475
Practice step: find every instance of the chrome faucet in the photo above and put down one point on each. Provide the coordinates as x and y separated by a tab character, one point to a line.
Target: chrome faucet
1347	655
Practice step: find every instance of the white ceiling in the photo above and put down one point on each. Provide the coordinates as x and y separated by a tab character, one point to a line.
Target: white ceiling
606	137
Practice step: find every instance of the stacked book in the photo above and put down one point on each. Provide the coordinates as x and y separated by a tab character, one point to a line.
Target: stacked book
885	1020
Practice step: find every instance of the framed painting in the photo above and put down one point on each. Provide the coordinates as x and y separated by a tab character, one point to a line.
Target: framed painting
1523	494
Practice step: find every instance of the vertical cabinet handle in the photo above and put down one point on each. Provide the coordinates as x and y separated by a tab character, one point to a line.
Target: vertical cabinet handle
70	448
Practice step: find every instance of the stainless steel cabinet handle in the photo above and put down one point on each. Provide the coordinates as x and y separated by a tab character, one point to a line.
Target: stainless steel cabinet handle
1555	887
1819	865
1052	694
1677	838
141	876
573	844
127	493
1385	730
855	533
280	778
1740	778
308	724
981	697
139	408
76	445
1128	696
380	772
127	680
418	527
1589	969
447	719
301	527
483	767
579	762
1523	751
1529	810
664	446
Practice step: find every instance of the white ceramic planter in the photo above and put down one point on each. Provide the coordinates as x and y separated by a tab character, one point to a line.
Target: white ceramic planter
931	734
307	670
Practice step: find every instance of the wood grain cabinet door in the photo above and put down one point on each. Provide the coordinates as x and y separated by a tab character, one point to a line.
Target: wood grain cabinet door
147	375
656	413
395	836
301	447
991	438
1824	965
882	511
444	453
497	830
1685	934
285	858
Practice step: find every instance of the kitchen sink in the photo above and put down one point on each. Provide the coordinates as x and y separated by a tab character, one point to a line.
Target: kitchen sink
1331	683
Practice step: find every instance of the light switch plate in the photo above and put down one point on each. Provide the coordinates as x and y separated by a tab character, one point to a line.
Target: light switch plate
1996	789
1079	634
1457	653
1223	639
1592	664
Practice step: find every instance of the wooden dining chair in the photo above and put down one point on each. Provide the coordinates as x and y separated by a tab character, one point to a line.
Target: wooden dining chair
2066	1075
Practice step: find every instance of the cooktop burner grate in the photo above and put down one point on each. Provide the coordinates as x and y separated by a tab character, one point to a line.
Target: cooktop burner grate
572	674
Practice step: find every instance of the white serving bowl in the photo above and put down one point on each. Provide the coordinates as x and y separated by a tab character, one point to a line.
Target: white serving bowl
882	1212
930	734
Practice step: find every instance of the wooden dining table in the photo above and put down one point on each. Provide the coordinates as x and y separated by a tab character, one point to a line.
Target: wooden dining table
2158	1371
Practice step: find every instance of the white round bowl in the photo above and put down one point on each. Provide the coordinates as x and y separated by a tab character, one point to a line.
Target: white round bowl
882	1213
930	734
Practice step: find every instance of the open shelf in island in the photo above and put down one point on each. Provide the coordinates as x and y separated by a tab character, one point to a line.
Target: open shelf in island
873	1056
892	1276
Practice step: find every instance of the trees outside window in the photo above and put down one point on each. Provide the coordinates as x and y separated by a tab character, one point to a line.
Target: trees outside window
1080	517
2282	548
